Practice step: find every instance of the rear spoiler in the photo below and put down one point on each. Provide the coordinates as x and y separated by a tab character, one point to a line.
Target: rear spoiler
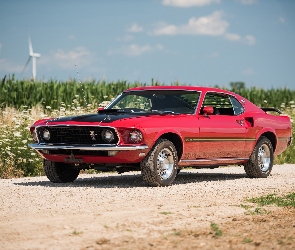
272	109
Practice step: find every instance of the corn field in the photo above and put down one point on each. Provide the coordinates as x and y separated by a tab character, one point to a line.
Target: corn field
18	93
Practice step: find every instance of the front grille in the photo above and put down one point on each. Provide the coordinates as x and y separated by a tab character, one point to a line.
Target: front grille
74	135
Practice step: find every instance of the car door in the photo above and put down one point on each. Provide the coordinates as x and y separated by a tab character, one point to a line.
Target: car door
222	133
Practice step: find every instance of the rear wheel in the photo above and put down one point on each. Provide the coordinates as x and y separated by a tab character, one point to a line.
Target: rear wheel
261	160
59	172
159	168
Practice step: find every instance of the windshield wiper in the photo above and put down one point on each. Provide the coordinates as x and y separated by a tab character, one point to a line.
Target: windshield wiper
165	112
124	110
107	111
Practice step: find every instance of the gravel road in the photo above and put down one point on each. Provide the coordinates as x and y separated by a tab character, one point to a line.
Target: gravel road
111	211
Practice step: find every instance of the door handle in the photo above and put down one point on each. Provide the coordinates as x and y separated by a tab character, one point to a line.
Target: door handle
241	122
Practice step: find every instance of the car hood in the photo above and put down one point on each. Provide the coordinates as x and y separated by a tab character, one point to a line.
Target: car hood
94	118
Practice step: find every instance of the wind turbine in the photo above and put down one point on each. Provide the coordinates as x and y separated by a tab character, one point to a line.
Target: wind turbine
32	56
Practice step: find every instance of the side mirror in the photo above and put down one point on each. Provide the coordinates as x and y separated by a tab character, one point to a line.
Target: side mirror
208	110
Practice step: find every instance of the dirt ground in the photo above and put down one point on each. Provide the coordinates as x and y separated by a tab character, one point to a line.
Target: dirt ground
202	210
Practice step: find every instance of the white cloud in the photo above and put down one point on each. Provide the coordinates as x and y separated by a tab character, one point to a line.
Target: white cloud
68	59
249	71
232	37
58	59
11	67
213	25
126	38
0	47
72	37
135	50
281	20
135	28
214	55
247	2
250	40
188	3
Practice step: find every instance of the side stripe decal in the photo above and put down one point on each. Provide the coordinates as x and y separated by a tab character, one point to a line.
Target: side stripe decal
197	139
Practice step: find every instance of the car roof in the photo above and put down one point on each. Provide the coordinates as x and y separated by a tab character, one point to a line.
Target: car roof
194	88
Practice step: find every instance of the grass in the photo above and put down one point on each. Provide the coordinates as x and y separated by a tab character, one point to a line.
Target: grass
16	158
285	241
250	211
287	200
75	232
177	232
216	231
274	199
165	213
247	240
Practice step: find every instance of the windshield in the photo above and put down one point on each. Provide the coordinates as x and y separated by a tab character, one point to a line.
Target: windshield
170	101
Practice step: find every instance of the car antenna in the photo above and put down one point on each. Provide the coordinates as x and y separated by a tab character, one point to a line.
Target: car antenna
83	91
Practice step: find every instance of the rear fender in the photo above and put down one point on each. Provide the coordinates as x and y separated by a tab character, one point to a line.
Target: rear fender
270	134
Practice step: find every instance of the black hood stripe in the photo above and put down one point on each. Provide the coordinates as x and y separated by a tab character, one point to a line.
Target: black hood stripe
106	118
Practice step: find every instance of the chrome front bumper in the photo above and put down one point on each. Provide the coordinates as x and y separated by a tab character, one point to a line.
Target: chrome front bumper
87	147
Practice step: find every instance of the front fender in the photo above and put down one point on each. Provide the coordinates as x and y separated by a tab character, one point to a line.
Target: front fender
168	131
152	136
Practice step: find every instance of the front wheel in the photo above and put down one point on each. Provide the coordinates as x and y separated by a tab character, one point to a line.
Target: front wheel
261	160
159	168
59	172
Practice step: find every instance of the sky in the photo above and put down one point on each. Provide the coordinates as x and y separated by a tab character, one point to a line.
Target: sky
192	42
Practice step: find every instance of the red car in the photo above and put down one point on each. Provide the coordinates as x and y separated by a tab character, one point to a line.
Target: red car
160	130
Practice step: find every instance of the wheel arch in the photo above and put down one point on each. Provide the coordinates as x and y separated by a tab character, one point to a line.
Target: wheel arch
272	137
176	140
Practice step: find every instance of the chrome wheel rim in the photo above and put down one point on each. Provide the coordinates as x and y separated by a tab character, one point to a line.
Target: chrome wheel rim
165	163
264	158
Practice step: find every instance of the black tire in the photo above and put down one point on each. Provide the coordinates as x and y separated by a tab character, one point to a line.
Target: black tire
59	172
261	160
159	168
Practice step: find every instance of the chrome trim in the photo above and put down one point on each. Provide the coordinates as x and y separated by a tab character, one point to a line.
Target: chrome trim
228	95
176	89
215	159
78	125
87	147
117	97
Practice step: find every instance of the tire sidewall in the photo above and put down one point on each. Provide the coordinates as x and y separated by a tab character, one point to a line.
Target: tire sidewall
59	172
162	145
265	141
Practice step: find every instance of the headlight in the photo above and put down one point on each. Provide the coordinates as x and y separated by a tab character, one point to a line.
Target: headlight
131	135
46	135
135	136
108	135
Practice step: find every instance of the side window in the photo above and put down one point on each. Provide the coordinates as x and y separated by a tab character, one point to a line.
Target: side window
221	103
237	106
